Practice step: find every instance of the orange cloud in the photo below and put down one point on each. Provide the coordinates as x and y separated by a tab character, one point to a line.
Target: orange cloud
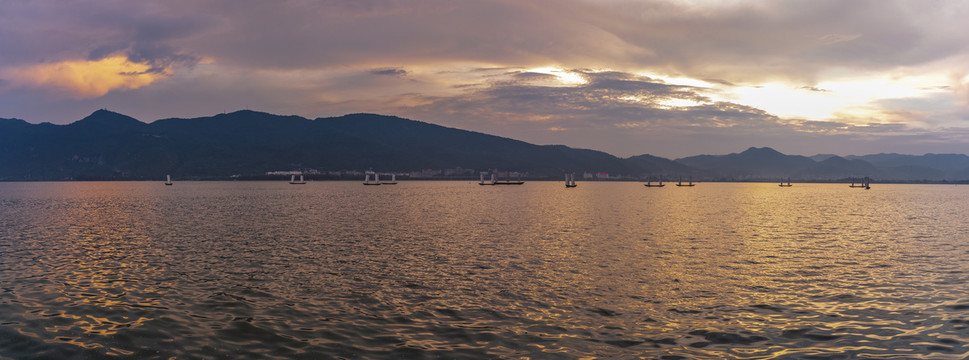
83	78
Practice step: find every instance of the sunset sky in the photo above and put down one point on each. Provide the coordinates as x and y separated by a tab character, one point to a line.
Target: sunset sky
668	78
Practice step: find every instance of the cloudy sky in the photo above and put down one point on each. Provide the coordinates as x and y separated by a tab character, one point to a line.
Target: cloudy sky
668	78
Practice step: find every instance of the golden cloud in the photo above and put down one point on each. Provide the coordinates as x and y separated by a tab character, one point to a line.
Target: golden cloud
83	78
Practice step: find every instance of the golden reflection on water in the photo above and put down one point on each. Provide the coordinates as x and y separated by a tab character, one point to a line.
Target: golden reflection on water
605	269
107	235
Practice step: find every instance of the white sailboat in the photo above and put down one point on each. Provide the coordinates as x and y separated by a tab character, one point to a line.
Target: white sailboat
495	181
570	180
489	182
375	181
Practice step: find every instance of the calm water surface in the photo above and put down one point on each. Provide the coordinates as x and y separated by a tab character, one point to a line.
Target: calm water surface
457	270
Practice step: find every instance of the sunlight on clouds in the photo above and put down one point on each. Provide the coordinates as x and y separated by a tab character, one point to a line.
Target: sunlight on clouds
886	87
783	100
633	99
631	125
788	102
962	90
83	78
534	118
678	103
668	104
841	99
563	76
679	80
847	98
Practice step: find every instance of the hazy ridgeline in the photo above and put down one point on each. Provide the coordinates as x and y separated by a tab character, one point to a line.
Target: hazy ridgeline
248	144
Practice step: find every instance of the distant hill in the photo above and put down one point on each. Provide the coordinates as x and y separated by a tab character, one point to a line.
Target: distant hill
752	163
836	167
912	167
768	164
110	146
654	165
821	157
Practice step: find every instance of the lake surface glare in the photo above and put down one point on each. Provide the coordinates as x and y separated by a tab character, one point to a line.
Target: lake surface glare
257	270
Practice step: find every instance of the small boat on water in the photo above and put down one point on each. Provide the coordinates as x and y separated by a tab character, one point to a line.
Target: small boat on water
494	180
489	182
393	180
509	182
292	180
570	180
168	180
785	185
865	183
649	182
680	182
375	181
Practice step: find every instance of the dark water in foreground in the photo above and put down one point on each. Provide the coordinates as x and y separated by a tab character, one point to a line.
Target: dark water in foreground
457	270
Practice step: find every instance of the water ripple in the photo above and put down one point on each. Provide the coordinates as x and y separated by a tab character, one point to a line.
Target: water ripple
452	270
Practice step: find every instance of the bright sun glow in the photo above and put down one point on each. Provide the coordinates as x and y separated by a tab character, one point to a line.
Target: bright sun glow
83	78
787	102
678	103
669	104
833	99
683	81
563	76
853	97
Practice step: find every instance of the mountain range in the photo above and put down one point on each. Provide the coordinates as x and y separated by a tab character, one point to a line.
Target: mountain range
248	144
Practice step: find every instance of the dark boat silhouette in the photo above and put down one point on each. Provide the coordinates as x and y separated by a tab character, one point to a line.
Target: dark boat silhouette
865	183
680	182
494	180
649	182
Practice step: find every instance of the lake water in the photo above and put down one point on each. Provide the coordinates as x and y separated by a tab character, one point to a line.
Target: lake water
456	270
